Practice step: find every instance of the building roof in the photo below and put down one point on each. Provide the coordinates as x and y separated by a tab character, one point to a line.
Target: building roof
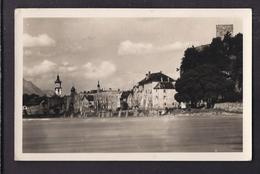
93	91
125	94
88	97
155	77
164	85
103	91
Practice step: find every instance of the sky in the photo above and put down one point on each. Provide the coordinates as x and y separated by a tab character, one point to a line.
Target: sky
118	52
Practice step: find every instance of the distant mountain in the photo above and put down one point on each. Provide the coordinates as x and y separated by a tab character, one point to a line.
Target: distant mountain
48	93
30	88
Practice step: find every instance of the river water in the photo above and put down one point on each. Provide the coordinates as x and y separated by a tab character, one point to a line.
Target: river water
200	133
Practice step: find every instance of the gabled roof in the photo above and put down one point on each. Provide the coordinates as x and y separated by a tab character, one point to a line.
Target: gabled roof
155	77
164	85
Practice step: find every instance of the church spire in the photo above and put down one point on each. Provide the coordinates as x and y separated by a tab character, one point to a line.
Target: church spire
58	79
98	87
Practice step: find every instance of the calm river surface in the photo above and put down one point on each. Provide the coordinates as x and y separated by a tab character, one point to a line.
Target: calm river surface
203	133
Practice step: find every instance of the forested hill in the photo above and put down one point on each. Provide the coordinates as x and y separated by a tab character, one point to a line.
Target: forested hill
212	73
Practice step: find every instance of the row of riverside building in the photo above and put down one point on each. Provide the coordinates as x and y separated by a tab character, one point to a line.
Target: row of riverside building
154	92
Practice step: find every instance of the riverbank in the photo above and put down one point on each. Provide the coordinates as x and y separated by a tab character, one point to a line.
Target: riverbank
143	113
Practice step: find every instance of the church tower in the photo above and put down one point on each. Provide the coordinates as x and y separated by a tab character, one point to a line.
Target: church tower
58	88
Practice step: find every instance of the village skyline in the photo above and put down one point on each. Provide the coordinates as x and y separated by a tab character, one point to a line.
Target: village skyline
84	53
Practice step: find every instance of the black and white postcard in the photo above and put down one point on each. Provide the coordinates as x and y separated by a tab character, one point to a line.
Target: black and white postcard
133	84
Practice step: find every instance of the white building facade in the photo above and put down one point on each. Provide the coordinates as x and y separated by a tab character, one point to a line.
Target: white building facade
155	91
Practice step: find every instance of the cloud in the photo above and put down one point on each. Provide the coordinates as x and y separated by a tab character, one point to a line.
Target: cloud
48	67
42	40
139	48
105	69
65	69
128	47
44	67
71	68
44	73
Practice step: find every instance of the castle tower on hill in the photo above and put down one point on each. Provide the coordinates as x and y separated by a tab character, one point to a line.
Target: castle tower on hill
221	30
58	88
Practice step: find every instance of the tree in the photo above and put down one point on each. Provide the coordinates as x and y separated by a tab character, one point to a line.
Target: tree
212	73
190	59
236	52
203	83
188	88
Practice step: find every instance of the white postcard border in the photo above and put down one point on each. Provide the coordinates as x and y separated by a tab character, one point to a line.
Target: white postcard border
244	14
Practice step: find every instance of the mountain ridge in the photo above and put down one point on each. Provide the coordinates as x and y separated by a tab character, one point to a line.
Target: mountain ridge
30	88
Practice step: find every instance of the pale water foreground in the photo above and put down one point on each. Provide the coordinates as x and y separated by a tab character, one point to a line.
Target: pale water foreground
200	133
